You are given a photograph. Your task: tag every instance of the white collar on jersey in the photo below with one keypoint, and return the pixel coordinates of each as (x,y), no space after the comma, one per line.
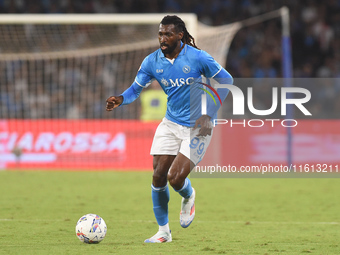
(171,60)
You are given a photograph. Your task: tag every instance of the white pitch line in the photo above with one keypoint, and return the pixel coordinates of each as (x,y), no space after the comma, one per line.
(199,221)
(274,222)
(34,220)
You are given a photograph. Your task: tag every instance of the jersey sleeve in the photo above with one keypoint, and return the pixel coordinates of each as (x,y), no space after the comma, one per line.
(222,77)
(131,94)
(144,76)
(209,66)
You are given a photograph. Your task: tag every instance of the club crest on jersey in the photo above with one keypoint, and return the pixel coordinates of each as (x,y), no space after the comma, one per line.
(165,82)
(159,70)
(186,69)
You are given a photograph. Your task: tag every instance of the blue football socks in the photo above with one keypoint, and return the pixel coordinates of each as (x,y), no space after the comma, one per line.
(160,198)
(186,190)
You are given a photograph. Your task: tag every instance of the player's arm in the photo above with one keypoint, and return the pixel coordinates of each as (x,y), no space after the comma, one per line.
(127,97)
(211,69)
(204,122)
(222,77)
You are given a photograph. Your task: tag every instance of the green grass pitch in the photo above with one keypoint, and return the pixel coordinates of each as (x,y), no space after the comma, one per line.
(39,211)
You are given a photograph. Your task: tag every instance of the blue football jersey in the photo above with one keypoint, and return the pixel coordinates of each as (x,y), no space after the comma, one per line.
(178,78)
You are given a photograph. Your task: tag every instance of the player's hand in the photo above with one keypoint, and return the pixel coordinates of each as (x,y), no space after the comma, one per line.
(113,102)
(205,124)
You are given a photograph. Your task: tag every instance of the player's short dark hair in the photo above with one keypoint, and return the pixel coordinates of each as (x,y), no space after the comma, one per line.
(180,27)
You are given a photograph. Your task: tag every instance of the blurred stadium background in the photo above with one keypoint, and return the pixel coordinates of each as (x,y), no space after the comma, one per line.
(55,79)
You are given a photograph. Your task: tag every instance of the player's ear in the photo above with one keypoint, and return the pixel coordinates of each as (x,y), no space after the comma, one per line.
(180,35)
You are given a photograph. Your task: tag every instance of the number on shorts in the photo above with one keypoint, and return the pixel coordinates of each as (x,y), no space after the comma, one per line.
(195,142)
(200,149)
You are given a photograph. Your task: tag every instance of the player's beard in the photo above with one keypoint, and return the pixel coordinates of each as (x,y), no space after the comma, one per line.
(169,49)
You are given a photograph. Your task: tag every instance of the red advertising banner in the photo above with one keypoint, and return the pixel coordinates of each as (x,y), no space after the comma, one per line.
(125,144)
(107,144)
(313,142)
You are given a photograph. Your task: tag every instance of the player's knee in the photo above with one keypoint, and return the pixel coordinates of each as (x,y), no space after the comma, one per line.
(175,180)
(158,179)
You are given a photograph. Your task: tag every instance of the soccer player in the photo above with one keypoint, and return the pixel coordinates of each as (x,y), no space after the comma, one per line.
(183,136)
